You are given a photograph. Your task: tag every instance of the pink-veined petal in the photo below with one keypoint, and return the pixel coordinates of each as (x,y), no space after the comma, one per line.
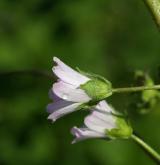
(69,92)
(85,133)
(53,96)
(103,106)
(57,104)
(63,111)
(100,121)
(67,74)
(96,124)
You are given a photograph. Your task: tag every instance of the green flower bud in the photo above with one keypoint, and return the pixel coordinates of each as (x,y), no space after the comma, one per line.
(147,99)
(148,95)
(123,130)
(97,88)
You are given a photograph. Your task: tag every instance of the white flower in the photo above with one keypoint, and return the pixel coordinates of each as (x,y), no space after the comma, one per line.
(96,123)
(101,123)
(66,93)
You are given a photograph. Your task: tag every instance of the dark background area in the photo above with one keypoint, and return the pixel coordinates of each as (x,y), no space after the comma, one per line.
(108,37)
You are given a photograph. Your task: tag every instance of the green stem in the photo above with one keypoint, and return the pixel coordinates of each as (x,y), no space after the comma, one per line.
(135,89)
(154,7)
(149,150)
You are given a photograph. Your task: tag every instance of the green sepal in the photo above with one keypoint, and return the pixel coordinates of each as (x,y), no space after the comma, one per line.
(148,95)
(98,88)
(149,99)
(84,106)
(92,75)
(123,130)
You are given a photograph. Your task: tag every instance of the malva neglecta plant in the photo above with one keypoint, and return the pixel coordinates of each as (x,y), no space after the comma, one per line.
(75,91)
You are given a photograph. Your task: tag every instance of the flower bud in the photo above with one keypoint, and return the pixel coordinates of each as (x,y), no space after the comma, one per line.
(103,122)
(123,129)
(97,88)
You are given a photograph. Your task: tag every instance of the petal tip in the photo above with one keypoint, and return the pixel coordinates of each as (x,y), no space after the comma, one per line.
(73,130)
(73,142)
(51,118)
(56,59)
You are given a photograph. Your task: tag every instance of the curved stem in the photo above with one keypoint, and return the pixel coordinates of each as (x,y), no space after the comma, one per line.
(154,7)
(149,150)
(135,89)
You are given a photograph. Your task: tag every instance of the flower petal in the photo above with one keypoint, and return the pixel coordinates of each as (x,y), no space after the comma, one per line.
(103,106)
(63,111)
(53,96)
(69,92)
(105,118)
(67,74)
(84,133)
(97,124)
(57,104)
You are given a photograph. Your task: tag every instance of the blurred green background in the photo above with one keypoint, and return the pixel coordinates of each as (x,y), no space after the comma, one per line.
(109,37)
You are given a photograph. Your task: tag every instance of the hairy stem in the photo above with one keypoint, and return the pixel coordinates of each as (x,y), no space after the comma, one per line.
(135,89)
(154,7)
(149,150)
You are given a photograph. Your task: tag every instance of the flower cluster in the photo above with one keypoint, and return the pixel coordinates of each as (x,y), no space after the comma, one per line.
(74,91)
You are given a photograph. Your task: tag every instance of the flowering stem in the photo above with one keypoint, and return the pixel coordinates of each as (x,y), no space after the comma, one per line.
(154,7)
(135,89)
(149,150)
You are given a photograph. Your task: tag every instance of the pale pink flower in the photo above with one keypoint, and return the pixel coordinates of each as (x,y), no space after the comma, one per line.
(66,93)
(97,123)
